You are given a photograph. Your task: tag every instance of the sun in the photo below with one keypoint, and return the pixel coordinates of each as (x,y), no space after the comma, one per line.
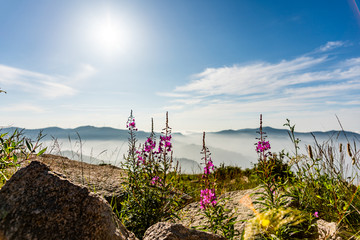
(109,35)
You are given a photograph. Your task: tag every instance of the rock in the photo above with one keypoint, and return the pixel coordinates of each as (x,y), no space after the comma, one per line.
(173,231)
(191,215)
(327,230)
(106,180)
(39,204)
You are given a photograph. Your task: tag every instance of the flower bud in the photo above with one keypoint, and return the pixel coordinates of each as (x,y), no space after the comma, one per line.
(349,150)
(310,152)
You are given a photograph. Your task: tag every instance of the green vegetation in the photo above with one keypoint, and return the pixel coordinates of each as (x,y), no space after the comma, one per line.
(228,178)
(14,149)
(298,189)
(151,190)
(316,185)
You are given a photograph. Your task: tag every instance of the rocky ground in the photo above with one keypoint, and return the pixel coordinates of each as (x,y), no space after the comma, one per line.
(192,216)
(103,179)
(107,181)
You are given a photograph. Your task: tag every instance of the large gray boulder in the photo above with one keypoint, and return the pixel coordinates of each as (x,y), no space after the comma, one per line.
(173,231)
(39,204)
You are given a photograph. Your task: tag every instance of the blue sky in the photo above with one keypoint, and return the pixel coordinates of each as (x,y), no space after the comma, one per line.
(212,64)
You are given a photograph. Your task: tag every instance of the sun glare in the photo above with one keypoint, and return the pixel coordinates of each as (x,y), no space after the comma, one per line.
(109,35)
(355,7)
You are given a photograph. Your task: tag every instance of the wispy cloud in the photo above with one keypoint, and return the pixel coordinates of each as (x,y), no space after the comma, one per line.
(307,83)
(85,71)
(171,94)
(331,45)
(22,107)
(249,79)
(44,85)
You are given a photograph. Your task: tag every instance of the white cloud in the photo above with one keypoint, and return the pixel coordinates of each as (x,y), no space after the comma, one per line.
(42,84)
(331,45)
(188,101)
(85,71)
(171,94)
(173,107)
(249,79)
(307,84)
(279,80)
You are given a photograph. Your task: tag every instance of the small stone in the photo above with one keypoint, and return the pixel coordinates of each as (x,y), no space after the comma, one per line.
(327,230)
(173,231)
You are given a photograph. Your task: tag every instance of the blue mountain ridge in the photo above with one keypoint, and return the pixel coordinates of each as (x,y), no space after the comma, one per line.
(108,133)
(275,132)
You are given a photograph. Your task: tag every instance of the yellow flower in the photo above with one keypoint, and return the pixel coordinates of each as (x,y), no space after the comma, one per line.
(265,223)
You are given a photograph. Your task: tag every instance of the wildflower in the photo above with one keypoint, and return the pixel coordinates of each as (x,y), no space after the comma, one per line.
(316,214)
(130,124)
(140,157)
(209,166)
(149,145)
(165,144)
(265,223)
(156,180)
(262,146)
(207,197)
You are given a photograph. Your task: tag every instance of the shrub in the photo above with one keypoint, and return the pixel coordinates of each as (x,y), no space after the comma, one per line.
(272,173)
(14,149)
(218,217)
(275,220)
(151,189)
(320,183)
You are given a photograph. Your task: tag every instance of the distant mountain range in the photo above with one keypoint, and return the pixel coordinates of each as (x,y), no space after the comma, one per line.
(108,133)
(85,132)
(231,147)
(275,132)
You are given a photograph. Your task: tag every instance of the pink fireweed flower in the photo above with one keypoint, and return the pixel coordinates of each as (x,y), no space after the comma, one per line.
(207,197)
(149,145)
(165,144)
(131,124)
(263,146)
(140,158)
(316,214)
(156,180)
(209,167)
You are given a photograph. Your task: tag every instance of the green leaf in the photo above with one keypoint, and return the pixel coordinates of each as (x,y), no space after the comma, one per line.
(28,145)
(41,152)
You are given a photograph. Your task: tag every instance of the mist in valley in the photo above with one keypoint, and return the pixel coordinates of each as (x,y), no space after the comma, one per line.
(234,148)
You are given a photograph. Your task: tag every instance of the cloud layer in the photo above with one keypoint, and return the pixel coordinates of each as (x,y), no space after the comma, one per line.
(313,82)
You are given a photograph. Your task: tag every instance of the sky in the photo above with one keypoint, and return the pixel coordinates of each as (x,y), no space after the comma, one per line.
(211,64)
